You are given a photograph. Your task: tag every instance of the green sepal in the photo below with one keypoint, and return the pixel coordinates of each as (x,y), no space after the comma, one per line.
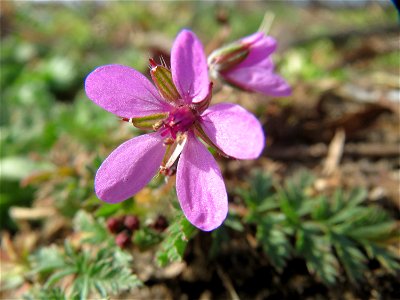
(228,57)
(148,122)
(162,78)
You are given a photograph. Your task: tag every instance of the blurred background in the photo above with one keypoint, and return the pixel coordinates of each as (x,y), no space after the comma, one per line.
(316,217)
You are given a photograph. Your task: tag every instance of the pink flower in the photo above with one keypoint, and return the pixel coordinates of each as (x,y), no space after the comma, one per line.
(180,110)
(247,64)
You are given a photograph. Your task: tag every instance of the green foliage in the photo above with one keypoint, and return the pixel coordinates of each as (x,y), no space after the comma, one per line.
(96,271)
(13,169)
(328,232)
(101,272)
(40,293)
(270,232)
(173,246)
(146,237)
(94,231)
(11,194)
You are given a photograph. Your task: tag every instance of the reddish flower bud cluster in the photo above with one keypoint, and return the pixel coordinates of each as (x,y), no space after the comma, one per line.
(123,227)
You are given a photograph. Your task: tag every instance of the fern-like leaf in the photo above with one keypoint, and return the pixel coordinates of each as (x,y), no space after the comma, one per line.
(274,240)
(174,245)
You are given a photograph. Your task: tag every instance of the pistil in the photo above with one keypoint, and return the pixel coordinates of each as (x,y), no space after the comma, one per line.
(178,121)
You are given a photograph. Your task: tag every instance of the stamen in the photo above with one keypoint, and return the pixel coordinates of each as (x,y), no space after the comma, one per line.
(178,121)
(168,172)
(181,141)
(158,125)
(169,141)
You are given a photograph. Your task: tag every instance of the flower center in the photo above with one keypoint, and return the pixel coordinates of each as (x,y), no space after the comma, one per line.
(179,121)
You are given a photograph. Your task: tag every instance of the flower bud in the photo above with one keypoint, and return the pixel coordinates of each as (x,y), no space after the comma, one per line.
(246,64)
(131,223)
(123,239)
(114,225)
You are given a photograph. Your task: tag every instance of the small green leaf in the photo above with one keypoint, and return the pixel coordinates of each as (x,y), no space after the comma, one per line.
(146,237)
(106,270)
(352,259)
(42,293)
(259,195)
(357,196)
(234,223)
(390,261)
(94,231)
(177,236)
(374,232)
(107,210)
(274,241)
(316,251)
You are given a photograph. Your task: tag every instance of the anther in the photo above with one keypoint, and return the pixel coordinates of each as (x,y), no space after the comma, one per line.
(158,125)
(168,141)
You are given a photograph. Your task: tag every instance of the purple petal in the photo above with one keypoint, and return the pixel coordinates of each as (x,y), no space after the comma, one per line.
(253,38)
(124,92)
(234,130)
(260,49)
(200,187)
(189,67)
(256,72)
(129,168)
(260,80)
